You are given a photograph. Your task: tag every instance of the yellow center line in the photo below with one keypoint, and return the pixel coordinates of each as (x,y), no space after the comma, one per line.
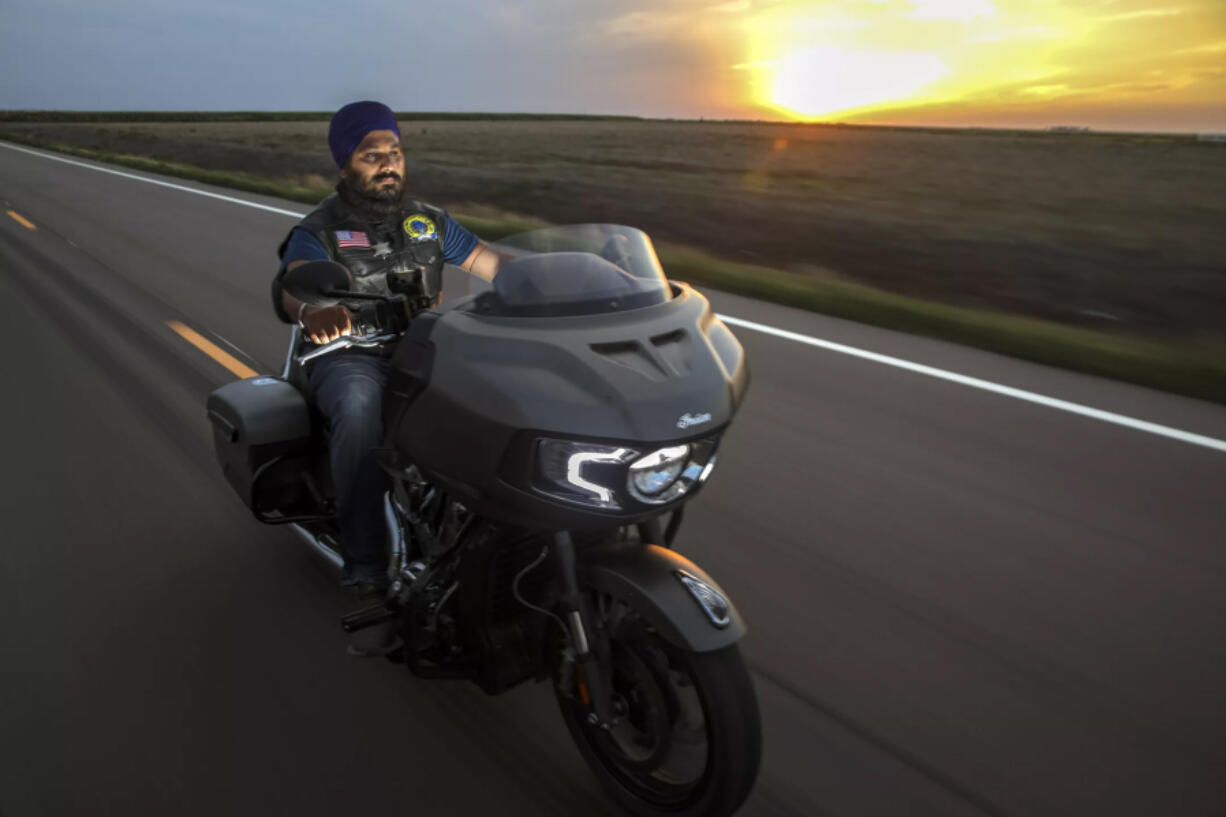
(17,217)
(237,367)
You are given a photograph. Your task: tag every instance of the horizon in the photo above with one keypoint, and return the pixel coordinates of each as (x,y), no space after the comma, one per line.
(1060,128)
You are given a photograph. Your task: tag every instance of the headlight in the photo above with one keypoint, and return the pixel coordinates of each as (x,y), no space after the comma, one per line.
(612,477)
(582,472)
(651,476)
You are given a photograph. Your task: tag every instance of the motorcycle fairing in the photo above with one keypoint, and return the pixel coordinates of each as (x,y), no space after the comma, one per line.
(465,388)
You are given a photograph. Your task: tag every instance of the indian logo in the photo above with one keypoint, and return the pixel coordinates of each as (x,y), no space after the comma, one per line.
(688,420)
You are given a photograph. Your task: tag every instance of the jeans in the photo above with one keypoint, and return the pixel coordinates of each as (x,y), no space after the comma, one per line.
(348,390)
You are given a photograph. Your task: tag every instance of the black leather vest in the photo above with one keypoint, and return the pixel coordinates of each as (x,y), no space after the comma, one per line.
(403,255)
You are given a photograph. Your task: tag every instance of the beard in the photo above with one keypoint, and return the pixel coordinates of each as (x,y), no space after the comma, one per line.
(372,201)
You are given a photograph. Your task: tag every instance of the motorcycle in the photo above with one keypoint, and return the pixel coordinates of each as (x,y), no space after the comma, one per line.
(542,440)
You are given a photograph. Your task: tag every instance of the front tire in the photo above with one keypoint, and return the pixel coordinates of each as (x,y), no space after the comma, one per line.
(688,737)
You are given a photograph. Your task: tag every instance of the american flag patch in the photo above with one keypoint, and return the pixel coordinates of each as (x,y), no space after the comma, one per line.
(352,238)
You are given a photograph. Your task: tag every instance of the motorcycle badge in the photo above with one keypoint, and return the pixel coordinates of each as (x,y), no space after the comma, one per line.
(688,420)
(420,227)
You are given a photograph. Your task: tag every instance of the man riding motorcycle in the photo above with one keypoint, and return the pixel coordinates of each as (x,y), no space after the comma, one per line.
(391,244)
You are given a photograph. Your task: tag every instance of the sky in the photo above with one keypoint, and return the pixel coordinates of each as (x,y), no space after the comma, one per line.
(1107,64)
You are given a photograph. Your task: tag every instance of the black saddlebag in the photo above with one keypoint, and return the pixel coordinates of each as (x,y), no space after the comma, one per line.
(262,437)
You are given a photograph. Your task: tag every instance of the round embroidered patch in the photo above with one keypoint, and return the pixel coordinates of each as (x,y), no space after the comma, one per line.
(420,227)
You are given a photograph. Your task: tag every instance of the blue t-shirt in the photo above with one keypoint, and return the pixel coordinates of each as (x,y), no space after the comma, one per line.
(457,244)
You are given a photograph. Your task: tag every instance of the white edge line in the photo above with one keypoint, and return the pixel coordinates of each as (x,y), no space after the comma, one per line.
(985,385)
(158,182)
(919,368)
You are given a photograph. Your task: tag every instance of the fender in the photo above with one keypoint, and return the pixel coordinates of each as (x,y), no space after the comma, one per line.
(647,578)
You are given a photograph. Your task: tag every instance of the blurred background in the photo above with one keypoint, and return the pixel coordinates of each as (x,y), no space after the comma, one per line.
(1060,160)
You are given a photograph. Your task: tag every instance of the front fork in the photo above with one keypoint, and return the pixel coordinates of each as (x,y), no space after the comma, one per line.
(594,689)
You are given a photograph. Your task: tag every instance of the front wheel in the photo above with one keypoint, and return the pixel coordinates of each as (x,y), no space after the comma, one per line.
(687,738)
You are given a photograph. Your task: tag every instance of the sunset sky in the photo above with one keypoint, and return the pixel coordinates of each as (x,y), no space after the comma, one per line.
(1131,63)
(1109,64)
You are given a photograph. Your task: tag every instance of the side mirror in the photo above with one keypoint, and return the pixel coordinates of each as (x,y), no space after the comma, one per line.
(318,283)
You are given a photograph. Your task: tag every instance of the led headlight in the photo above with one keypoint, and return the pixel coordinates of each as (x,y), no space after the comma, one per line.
(618,477)
(582,472)
(651,476)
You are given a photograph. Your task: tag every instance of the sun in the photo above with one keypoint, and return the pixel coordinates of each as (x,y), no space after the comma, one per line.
(820,82)
(819,60)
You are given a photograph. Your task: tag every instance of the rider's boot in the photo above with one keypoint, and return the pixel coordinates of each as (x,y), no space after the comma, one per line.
(364,599)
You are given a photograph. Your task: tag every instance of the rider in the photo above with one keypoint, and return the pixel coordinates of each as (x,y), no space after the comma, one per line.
(390,243)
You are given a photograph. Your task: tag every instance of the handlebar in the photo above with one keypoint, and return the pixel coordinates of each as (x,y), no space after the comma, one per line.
(347,342)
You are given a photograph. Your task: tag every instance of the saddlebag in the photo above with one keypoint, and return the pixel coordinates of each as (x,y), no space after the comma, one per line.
(262,437)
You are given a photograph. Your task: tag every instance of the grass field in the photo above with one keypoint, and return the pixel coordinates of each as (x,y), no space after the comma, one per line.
(1098,230)
(963,234)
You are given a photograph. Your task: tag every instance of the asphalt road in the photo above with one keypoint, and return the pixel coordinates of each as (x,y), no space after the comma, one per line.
(960,603)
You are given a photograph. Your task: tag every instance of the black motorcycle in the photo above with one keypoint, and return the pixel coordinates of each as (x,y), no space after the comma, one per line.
(542,439)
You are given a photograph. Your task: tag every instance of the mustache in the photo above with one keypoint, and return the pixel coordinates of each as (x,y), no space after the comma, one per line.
(382,176)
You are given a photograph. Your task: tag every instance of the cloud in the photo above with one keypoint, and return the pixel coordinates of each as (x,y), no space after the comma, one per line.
(644,24)
(958,10)
(1054,89)
(1141,14)
(1210,48)
(1069,91)
(731,8)
(1013,35)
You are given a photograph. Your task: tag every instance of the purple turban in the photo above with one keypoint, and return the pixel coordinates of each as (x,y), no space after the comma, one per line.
(351,124)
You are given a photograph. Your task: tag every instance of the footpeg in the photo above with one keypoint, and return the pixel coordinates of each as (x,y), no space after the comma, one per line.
(367,617)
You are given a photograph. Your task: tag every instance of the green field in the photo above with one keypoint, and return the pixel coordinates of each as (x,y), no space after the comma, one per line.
(1094,251)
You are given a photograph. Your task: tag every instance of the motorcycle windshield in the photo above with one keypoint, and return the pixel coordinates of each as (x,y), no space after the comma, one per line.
(576,269)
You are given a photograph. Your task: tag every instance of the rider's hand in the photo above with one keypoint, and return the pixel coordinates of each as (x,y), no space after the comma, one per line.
(324,324)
